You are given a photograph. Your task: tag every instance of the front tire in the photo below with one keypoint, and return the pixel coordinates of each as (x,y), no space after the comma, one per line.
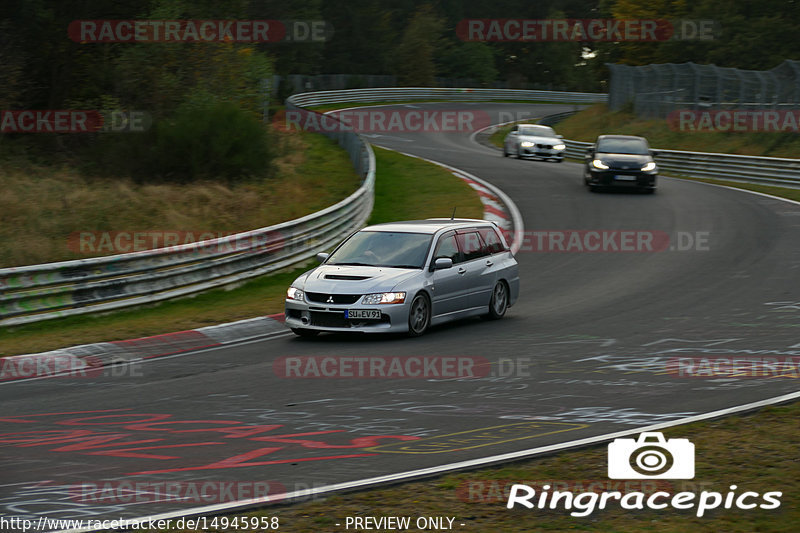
(419,315)
(498,303)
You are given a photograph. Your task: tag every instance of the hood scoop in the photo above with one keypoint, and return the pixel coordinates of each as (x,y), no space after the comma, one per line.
(344,277)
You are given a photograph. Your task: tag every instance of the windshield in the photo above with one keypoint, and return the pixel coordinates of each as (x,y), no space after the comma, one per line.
(539,131)
(383,249)
(623,146)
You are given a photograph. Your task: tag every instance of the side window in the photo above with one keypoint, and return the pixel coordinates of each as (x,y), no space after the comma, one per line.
(471,245)
(493,242)
(447,247)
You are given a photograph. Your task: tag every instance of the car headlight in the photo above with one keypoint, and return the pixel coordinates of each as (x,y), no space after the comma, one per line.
(384,298)
(526,144)
(293,293)
(649,166)
(599,164)
(560,146)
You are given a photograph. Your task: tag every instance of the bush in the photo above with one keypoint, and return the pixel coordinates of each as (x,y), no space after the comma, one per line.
(210,140)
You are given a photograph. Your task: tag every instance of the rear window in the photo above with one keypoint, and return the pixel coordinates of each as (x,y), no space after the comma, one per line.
(493,242)
(471,245)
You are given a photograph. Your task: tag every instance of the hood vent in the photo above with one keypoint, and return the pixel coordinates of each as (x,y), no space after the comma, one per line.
(346,278)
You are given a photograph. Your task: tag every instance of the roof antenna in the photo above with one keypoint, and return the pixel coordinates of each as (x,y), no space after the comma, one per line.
(453,216)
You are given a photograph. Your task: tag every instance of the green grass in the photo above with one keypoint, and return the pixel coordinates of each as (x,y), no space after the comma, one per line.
(406,188)
(409,189)
(597,120)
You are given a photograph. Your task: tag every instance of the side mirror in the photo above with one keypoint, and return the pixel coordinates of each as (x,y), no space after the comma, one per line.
(514,132)
(441,263)
(589,152)
(322,257)
(560,136)
(655,153)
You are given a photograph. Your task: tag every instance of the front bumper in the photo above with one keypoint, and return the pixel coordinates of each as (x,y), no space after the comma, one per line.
(622,178)
(540,151)
(330,317)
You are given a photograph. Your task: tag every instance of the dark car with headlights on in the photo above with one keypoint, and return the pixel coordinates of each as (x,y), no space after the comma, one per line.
(405,277)
(620,161)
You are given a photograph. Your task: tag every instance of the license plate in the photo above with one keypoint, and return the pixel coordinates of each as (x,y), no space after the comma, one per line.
(625,178)
(369,314)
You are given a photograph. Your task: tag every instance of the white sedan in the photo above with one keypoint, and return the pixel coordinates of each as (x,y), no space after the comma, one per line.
(534,140)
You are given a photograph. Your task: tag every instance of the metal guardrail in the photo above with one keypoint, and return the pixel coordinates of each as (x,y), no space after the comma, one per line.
(394,94)
(40,292)
(741,168)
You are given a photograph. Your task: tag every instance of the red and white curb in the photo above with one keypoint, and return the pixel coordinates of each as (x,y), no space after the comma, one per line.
(86,359)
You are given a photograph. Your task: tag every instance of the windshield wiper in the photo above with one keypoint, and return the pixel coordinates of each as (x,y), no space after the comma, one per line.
(353,264)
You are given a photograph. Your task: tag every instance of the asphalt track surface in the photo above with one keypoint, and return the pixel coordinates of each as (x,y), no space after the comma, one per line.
(586,351)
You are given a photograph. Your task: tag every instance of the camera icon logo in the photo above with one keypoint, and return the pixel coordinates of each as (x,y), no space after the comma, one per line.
(651,457)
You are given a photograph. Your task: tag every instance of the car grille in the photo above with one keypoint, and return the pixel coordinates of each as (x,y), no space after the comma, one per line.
(544,146)
(325,298)
(329,320)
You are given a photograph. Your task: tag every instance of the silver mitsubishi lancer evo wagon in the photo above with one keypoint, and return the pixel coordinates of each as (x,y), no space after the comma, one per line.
(405,277)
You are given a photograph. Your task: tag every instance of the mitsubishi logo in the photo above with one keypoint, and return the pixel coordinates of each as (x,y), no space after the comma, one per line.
(330,299)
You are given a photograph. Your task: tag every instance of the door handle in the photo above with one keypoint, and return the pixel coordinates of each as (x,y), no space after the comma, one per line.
(462,270)
(489,262)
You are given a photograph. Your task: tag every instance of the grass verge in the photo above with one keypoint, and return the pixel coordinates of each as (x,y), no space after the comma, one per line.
(45,209)
(406,188)
(597,120)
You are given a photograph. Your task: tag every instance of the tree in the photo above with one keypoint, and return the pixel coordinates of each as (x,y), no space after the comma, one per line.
(414,63)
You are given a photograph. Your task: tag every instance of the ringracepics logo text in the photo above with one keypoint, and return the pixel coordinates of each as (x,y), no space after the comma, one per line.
(650,456)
